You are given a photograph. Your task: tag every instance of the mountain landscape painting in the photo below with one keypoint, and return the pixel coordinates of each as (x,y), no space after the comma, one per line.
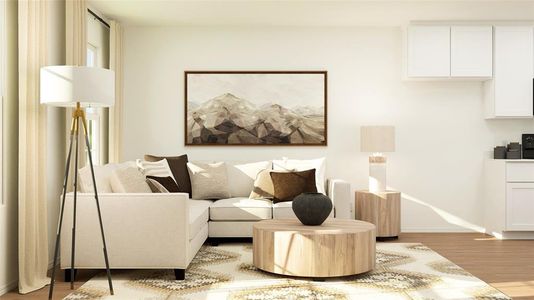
(255,108)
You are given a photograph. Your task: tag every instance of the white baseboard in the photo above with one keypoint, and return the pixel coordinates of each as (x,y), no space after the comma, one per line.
(435,229)
(8,287)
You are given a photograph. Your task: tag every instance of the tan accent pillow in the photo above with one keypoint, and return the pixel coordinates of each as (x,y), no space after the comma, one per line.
(291,184)
(208,180)
(263,186)
(155,186)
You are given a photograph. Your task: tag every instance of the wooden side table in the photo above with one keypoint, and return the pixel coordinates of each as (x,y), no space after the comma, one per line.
(381,209)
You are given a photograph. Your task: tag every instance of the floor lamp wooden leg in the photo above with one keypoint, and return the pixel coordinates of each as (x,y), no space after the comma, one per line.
(62,209)
(88,145)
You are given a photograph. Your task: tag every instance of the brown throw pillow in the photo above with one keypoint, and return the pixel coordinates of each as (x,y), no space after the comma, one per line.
(167,182)
(178,165)
(291,184)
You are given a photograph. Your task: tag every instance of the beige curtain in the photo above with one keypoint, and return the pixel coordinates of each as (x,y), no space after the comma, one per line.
(115,112)
(33,237)
(76,55)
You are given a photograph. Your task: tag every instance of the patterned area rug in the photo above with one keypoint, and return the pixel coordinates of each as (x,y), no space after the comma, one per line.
(404,271)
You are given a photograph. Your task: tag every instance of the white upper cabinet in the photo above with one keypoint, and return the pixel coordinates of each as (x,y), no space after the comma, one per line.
(429,51)
(510,93)
(471,51)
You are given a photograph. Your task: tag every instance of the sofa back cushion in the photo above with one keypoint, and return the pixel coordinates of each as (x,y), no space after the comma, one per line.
(241,176)
(102,177)
(318,164)
(208,180)
(128,180)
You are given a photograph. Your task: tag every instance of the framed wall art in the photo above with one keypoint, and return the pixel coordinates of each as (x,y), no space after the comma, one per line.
(283,108)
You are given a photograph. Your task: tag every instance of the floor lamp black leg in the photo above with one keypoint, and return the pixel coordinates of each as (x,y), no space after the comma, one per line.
(62,209)
(88,145)
(73,240)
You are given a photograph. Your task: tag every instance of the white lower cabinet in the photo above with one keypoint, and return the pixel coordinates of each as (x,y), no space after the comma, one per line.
(508,199)
(520,206)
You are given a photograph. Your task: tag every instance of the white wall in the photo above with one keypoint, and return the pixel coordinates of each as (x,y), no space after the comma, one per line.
(441,131)
(9,210)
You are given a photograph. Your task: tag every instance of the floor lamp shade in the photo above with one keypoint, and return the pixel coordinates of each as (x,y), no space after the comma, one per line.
(64,86)
(377,139)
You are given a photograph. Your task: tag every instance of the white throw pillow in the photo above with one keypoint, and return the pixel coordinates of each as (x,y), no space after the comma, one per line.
(318,164)
(128,180)
(155,168)
(241,176)
(208,180)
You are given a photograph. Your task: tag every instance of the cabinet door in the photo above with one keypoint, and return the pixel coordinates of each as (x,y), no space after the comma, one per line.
(471,51)
(514,67)
(520,206)
(429,51)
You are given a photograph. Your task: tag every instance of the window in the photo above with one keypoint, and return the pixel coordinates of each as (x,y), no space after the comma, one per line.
(92,114)
(97,118)
(91,55)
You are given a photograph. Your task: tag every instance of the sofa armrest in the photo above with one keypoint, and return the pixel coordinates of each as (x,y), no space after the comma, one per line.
(340,193)
(143,230)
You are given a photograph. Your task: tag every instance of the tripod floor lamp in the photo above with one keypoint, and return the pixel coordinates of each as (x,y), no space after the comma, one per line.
(78,87)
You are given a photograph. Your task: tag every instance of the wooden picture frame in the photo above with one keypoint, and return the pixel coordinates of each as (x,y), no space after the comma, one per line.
(255,108)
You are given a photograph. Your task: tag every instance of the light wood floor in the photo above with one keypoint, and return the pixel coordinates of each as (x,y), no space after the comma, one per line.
(506,265)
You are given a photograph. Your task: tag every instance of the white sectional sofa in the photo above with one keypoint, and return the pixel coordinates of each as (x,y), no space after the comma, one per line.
(166,230)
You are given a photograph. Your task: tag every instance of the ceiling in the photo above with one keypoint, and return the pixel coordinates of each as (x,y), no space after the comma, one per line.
(308,13)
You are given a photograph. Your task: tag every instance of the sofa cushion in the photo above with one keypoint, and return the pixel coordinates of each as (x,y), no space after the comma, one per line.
(208,180)
(198,216)
(241,209)
(102,176)
(283,210)
(318,164)
(242,175)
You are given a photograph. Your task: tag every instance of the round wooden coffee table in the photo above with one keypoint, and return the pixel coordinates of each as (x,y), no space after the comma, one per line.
(338,247)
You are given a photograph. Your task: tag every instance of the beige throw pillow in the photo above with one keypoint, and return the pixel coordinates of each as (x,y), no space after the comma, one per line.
(128,180)
(263,186)
(155,186)
(208,180)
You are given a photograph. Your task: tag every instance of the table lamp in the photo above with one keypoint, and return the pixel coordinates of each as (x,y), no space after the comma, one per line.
(74,86)
(377,140)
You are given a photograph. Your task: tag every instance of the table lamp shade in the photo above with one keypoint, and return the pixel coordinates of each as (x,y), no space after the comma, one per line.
(65,85)
(377,139)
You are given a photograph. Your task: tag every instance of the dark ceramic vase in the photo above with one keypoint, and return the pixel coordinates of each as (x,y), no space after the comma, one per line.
(312,208)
